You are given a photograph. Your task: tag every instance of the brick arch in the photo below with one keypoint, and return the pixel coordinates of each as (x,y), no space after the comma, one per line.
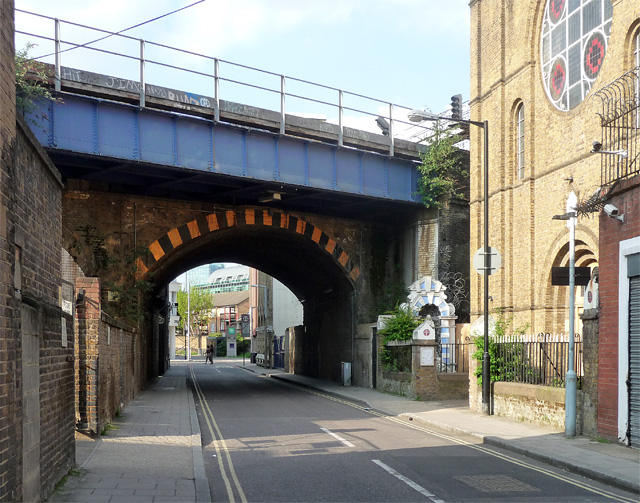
(557,255)
(219,220)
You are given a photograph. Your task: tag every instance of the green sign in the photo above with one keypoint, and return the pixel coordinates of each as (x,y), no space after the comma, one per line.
(231,331)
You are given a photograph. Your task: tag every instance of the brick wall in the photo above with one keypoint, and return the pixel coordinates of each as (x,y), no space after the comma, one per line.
(9,349)
(505,71)
(34,229)
(590,361)
(612,231)
(110,366)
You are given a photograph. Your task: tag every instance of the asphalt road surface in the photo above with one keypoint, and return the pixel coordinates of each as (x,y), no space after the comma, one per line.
(269,441)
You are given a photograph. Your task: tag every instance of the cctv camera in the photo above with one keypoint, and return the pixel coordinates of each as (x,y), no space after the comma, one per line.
(611,210)
(597,146)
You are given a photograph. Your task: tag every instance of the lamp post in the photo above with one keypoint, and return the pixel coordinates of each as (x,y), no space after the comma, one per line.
(571,379)
(420,116)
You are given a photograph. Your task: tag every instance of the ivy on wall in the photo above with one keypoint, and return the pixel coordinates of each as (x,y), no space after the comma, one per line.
(442,172)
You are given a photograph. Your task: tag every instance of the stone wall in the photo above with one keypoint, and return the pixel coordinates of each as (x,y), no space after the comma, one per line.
(422,382)
(541,405)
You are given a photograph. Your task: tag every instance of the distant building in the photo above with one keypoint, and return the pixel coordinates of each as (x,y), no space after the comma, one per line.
(227,308)
(200,275)
(227,279)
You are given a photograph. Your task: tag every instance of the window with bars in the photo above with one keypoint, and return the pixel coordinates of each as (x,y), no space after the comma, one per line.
(520,141)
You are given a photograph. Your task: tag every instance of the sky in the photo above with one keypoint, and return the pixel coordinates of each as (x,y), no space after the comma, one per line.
(413,53)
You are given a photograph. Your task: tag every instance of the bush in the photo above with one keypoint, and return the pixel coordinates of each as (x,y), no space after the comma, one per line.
(399,327)
(508,359)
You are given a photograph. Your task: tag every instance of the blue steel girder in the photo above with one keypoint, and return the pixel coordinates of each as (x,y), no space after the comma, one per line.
(97,127)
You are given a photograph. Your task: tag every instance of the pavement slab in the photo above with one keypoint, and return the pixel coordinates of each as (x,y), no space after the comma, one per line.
(153,452)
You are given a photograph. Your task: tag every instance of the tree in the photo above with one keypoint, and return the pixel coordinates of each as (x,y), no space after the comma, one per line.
(442,171)
(201,304)
(31,79)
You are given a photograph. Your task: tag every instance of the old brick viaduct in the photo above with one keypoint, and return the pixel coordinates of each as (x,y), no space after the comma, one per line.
(186,191)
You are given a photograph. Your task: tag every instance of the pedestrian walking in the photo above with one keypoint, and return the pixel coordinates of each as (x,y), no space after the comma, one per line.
(209,354)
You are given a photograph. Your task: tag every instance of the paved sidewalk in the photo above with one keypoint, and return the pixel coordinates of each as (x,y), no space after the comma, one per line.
(612,464)
(153,454)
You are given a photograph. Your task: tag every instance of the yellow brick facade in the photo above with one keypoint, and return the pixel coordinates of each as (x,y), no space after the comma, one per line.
(506,72)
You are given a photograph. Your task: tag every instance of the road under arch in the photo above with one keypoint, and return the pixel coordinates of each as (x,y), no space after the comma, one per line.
(300,255)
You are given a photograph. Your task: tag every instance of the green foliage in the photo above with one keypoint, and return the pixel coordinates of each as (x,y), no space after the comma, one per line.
(442,172)
(125,298)
(508,359)
(201,304)
(31,77)
(399,327)
(221,347)
(243,345)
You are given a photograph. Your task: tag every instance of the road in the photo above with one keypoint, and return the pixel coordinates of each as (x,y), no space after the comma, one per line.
(269,441)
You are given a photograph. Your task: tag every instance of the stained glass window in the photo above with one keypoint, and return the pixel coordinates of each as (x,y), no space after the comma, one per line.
(574,42)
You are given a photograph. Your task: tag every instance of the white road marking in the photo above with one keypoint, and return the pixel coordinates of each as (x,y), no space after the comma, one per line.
(407,481)
(338,437)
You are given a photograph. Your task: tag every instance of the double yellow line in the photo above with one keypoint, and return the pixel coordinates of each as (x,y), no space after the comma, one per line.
(222,452)
(481,448)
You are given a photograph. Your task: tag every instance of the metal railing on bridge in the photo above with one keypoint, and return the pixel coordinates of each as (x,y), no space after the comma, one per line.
(209,75)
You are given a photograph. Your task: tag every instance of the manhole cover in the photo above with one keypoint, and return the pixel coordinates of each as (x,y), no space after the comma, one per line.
(495,483)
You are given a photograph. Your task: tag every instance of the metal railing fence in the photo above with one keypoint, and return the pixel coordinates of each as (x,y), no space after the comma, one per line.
(543,361)
(216,76)
(453,357)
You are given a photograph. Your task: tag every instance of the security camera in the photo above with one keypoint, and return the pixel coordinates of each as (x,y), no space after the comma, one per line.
(597,146)
(613,212)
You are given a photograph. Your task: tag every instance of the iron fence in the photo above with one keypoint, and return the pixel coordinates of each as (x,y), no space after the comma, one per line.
(543,361)
(453,357)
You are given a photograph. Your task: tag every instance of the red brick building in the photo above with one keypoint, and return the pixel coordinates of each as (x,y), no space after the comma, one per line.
(619,338)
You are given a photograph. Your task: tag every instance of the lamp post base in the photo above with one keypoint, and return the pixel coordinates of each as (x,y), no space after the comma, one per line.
(570,399)
(486,384)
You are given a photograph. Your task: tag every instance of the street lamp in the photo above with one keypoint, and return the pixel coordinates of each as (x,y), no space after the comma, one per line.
(571,379)
(419,116)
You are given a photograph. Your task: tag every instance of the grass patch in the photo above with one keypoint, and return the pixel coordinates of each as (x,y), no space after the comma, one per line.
(107,428)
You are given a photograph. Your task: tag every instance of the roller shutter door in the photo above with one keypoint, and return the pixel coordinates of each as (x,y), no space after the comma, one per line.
(634,361)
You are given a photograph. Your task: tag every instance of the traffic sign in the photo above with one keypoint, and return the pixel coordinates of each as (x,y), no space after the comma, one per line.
(245,325)
(495,261)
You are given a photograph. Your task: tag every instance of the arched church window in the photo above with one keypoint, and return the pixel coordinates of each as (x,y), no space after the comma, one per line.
(520,140)
(574,39)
